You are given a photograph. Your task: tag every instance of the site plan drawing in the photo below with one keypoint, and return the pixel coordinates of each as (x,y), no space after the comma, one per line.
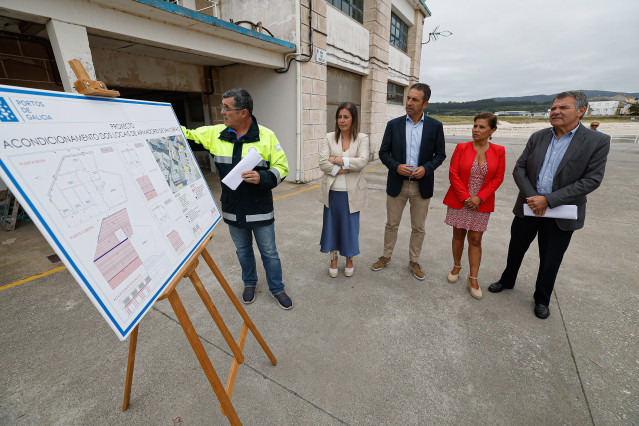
(80,191)
(114,188)
(175,160)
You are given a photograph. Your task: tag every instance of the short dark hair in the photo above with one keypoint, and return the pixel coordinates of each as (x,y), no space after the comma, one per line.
(350,107)
(489,117)
(581,100)
(241,99)
(424,88)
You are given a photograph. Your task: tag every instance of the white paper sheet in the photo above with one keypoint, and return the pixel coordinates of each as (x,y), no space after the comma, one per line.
(234,178)
(567,211)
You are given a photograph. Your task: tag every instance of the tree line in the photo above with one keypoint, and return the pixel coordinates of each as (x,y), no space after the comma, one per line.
(475,107)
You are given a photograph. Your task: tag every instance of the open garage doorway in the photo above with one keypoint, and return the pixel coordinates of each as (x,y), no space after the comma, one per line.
(342,86)
(189,108)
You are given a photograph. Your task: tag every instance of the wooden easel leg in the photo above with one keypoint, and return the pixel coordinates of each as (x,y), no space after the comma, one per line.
(235,365)
(206,299)
(203,357)
(133,341)
(229,292)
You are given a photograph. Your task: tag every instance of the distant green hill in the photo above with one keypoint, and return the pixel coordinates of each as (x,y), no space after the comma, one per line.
(474,107)
(549,98)
(534,103)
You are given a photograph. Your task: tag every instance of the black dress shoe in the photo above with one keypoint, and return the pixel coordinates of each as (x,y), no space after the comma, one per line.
(541,311)
(496,287)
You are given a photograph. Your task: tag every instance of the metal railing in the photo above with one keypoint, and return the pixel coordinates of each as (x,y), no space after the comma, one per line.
(624,137)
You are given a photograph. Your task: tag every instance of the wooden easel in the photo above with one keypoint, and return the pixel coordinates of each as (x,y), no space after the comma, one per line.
(188,271)
(84,85)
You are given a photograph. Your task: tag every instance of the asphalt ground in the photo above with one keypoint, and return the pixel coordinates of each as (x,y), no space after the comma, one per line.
(376,348)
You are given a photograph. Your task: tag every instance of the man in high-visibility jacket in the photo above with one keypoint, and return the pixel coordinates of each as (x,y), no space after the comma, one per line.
(248,210)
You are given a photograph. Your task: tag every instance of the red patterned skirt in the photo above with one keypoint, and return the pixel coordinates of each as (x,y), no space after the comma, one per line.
(467,219)
(470,219)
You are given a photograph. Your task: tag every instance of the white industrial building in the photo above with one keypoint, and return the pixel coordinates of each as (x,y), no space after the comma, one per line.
(603,107)
(298,58)
(514,113)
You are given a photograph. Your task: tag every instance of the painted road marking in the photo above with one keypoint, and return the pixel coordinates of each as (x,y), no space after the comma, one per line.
(60,268)
(26,280)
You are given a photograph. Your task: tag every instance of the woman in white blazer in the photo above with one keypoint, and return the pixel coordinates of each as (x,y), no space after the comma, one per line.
(343,156)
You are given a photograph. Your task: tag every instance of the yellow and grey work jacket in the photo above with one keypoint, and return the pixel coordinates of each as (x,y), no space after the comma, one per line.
(250,205)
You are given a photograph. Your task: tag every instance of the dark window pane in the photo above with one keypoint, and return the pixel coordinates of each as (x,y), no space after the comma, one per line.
(398,33)
(395,93)
(353,8)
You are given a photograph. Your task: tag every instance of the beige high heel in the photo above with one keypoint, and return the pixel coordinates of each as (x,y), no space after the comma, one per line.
(475,293)
(333,272)
(349,271)
(453,278)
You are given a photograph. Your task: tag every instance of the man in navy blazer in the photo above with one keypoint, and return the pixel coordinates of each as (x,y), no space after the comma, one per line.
(412,148)
(559,166)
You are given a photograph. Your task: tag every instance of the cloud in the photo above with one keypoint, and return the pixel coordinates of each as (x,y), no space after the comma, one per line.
(514,48)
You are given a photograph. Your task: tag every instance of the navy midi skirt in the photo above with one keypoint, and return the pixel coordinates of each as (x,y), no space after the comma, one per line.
(340,230)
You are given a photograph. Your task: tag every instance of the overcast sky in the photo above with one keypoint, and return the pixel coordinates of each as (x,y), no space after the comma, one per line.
(517,48)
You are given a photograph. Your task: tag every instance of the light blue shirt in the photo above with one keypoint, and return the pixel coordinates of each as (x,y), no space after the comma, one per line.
(413,140)
(554,155)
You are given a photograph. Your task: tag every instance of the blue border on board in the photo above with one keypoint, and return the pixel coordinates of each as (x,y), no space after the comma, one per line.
(208,19)
(123,332)
(10,89)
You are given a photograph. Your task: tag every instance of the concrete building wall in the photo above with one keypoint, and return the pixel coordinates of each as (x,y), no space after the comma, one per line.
(347,42)
(362,49)
(313,89)
(414,51)
(161,46)
(135,70)
(404,10)
(377,15)
(274,103)
(278,16)
(158,27)
(399,66)
(394,111)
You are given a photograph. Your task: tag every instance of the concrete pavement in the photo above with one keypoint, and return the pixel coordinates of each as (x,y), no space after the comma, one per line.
(377,348)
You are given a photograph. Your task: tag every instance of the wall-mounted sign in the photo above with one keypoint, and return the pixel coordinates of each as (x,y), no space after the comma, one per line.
(320,55)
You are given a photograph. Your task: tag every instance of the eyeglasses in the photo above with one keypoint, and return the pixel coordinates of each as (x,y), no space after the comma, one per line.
(594,125)
(227,109)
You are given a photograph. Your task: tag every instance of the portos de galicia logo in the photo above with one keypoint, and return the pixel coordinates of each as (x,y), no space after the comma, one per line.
(6,114)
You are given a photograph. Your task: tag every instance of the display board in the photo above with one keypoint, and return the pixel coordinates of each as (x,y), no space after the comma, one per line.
(113,186)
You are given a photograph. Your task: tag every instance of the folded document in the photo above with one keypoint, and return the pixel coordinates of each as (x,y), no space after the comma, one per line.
(234,178)
(567,211)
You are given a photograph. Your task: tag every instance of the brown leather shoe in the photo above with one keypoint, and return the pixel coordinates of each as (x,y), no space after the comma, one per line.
(381,263)
(416,270)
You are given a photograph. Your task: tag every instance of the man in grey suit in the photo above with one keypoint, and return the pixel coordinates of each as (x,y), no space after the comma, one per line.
(558,166)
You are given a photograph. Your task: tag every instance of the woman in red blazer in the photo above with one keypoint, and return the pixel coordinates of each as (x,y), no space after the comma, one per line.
(476,171)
